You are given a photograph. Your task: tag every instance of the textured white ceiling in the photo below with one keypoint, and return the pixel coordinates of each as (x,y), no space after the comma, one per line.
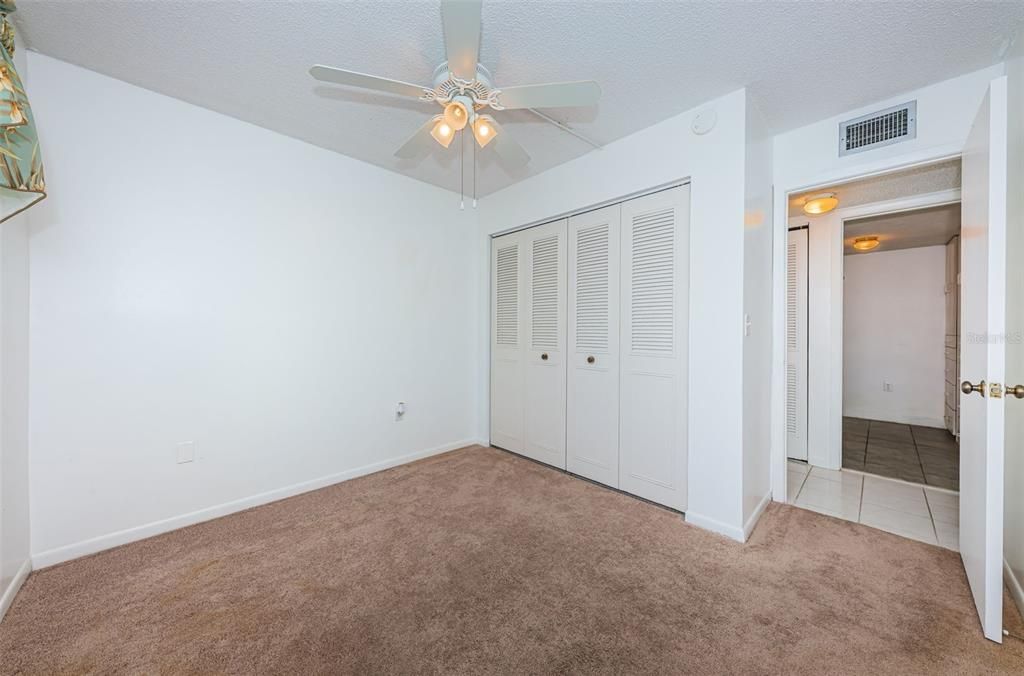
(905,230)
(801,61)
(916,181)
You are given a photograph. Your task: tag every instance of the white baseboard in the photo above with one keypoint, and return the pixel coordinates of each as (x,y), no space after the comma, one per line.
(12,589)
(920,421)
(1016,586)
(707,523)
(97,544)
(748,527)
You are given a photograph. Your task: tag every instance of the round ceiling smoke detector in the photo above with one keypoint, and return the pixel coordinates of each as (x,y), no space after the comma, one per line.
(704,122)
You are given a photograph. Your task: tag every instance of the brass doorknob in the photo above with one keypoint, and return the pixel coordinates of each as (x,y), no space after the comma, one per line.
(966,387)
(590,359)
(1015,390)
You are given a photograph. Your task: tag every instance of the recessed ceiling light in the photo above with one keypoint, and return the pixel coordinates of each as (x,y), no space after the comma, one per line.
(820,204)
(865,243)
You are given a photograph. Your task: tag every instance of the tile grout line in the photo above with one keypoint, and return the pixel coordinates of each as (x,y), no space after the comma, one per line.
(931,516)
(917,452)
(860,506)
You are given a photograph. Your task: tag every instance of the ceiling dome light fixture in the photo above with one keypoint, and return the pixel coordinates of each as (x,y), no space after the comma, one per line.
(820,204)
(865,243)
(484,129)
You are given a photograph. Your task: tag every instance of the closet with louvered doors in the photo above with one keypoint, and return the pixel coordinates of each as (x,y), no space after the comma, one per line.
(528,331)
(599,364)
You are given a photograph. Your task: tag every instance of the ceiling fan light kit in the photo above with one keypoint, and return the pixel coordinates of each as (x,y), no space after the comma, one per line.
(464,88)
(442,132)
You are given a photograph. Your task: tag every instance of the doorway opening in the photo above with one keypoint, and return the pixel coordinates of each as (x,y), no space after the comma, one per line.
(873,351)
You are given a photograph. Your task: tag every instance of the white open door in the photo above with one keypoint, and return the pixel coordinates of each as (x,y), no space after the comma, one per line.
(796,345)
(983,354)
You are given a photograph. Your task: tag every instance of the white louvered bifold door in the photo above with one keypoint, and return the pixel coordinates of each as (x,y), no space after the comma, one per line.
(508,347)
(796,345)
(544,332)
(653,346)
(592,432)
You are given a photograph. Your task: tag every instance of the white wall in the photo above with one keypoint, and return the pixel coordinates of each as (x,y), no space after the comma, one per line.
(14,360)
(714,163)
(196,278)
(808,157)
(757,303)
(894,331)
(1013,519)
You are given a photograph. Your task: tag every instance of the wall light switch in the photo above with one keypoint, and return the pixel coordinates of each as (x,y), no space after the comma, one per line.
(887,386)
(746,324)
(186,452)
(400,410)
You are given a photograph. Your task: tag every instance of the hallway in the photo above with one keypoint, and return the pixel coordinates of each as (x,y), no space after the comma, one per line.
(924,455)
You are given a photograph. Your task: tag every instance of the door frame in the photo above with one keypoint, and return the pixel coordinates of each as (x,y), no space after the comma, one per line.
(812,180)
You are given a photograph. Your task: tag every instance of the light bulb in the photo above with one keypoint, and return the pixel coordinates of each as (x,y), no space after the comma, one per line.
(442,133)
(456,115)
(484,130)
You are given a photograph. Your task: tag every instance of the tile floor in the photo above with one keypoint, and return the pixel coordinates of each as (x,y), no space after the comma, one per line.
(924,455)
(922,513)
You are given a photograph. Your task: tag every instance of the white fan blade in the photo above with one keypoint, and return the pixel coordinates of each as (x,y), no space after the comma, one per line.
(461,19)
(354,79)
(551,95)
(507,148)
(419,143)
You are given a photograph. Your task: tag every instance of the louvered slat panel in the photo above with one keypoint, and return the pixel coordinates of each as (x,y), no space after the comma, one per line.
(507,311)
(653,282)
(545,293)
(592,288)
(791,402)
(791,296)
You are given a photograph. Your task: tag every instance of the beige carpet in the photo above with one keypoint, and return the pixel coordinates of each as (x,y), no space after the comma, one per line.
(477,562)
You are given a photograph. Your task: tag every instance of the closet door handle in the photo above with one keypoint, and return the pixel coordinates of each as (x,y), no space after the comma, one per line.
(590,359)
(1015,391)
(544,356)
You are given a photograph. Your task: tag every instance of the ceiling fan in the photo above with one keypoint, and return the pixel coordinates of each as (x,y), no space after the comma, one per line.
(465,90)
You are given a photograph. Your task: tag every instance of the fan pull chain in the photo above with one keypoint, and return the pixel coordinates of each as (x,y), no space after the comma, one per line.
(474,176)
(462,171)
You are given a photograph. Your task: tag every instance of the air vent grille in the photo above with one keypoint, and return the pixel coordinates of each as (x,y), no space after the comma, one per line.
(878,129)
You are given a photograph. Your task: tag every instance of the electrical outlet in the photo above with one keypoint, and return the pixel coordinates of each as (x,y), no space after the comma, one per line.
(186,452)
(400,411)
(887,386)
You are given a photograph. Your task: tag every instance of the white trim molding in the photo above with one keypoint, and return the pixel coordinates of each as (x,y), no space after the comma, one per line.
(748,527)
(729,531)
(1015,585)
(97,544)
(14,587)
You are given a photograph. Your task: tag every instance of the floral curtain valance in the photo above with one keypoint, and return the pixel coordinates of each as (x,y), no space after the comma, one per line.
(21,165)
